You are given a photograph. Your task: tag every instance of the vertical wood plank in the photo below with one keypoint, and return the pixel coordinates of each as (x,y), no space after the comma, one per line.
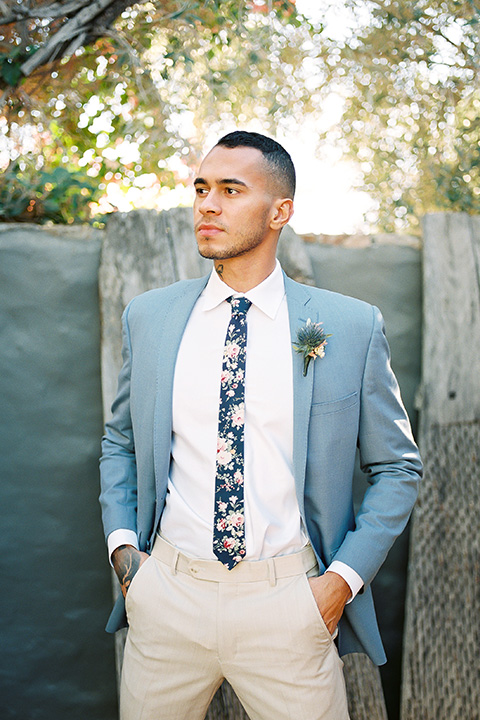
(441,678)
(451,358)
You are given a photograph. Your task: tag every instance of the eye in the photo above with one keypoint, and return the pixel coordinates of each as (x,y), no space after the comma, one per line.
(231,191)
(201,191)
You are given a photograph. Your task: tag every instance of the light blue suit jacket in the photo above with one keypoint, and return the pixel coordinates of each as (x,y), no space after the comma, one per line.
(349,398)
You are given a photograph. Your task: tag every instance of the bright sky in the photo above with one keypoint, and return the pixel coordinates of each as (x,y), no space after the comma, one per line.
(325,201)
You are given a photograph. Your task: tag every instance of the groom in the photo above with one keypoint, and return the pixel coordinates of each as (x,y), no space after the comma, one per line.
(227,467)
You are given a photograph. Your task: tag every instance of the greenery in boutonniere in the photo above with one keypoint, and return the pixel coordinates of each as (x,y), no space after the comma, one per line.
(311,341)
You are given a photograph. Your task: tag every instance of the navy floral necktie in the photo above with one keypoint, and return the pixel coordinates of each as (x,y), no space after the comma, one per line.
(229,515)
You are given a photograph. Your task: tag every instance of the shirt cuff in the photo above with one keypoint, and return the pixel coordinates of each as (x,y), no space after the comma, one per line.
(352,578)
(120,537)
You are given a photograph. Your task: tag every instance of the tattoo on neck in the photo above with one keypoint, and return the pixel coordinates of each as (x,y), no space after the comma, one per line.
(219,269)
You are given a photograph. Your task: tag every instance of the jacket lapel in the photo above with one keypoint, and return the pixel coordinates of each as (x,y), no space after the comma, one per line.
(298,299)
(176,317)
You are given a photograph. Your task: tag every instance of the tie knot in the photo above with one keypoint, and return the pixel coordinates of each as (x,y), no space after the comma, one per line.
(239,305)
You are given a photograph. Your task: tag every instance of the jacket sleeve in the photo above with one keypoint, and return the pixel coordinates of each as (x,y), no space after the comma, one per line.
(118,470)
(388,456)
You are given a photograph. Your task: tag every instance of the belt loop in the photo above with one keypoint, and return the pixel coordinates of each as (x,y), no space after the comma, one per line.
(173,564)
(271,572)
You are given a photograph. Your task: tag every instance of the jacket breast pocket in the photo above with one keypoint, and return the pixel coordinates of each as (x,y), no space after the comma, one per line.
(335,406)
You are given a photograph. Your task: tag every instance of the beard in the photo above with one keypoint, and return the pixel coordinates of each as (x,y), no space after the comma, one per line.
(236,246)
(233,251)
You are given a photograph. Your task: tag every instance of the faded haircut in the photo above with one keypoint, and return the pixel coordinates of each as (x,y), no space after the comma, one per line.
(278,160)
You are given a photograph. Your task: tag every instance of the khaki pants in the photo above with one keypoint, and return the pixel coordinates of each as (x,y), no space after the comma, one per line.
(194,623)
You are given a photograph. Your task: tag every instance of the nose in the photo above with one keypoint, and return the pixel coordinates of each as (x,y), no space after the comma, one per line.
(209,205)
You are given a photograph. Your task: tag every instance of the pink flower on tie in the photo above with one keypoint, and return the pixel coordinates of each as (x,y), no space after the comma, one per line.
(224,451)
(232,350)
(228,543)
(225,376)
(238,415)
(237,519)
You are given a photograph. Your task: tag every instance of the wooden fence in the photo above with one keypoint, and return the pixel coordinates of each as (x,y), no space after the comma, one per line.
(441,674)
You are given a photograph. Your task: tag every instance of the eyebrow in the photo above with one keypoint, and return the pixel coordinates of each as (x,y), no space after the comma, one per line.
(223,181)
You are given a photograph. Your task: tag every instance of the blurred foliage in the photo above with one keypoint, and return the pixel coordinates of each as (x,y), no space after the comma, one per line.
(409,74)
(154,84)
(59,196)
(162,76)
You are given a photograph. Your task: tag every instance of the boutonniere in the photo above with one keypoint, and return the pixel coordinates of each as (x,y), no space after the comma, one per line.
(311,341)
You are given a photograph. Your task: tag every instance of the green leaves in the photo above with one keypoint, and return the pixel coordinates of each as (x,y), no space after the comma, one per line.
(29,195)
(410,76)
(143,99)
(10,65)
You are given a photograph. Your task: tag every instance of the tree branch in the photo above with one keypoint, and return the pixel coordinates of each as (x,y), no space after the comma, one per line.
(75,31)
(40,12)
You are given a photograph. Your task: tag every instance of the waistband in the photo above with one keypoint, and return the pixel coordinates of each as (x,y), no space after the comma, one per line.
(246,571)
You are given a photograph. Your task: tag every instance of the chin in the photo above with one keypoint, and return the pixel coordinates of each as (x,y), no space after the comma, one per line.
(210,253)
(207,252)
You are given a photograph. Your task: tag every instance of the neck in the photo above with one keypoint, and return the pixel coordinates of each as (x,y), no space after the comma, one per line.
(242,276)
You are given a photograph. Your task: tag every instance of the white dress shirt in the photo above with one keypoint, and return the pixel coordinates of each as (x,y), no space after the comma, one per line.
(273,524)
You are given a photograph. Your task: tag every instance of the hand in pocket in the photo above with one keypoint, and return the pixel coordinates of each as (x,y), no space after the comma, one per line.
(127,561)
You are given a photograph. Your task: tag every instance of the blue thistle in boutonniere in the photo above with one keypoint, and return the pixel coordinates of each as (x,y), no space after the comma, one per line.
(311,341)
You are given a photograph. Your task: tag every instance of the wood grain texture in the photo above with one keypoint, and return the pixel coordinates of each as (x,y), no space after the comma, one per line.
(441,670)
(451,318)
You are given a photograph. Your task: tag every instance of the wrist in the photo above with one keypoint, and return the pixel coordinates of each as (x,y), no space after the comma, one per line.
(351,577)
(341,586)
(119,537)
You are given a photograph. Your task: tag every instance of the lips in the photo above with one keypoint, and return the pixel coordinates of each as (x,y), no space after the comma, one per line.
(208,230)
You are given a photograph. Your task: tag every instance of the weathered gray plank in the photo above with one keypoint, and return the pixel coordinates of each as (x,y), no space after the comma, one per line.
(451,357)
(441,678)
(142,250)
(364,688)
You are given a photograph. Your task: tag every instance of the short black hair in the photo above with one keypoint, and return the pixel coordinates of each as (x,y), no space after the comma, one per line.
(279,161)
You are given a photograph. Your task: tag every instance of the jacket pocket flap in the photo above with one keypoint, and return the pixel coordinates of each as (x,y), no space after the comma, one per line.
(333,406)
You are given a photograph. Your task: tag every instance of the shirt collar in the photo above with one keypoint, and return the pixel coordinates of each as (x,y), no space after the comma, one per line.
(267,296)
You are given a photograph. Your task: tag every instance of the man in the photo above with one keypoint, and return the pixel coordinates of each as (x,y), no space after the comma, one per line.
(227,467)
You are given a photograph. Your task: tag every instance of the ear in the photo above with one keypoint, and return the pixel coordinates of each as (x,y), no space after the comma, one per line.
(282,211)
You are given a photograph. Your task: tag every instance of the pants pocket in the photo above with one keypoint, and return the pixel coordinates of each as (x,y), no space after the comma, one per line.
(317,616)
(136,581)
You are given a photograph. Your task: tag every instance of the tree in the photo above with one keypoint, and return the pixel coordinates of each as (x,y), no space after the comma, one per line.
(409,77)
(118,107)
(128,88)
